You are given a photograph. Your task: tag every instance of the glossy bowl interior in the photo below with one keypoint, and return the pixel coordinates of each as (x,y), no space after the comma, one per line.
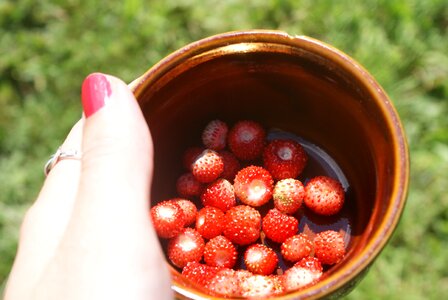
(301,86)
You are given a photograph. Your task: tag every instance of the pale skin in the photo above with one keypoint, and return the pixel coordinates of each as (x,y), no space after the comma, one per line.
(88,234)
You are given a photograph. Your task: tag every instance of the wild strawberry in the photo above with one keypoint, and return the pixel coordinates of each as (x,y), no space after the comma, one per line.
(324,195)
(220,194)
(199,273)
(190,156)
(279,226)
(187,186)
(215,134)
(210,222)
(246,140)
(168,219)
(288,195)
(284,159)
(189,209)
(207,166)
(220,252)
(302,274)
(261,286)
(242,225)
(225,284)
(253,185)
(231,165)
(260,259)
(186,247)
(329,247)
(296,247)
(310,263)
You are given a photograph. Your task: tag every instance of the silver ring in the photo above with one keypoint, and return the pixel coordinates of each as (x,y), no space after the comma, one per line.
(61,155)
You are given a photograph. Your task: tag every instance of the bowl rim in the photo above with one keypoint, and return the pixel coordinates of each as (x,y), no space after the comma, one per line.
(375,245)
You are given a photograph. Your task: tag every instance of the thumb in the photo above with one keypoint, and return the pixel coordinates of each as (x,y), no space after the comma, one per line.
(110,248)
(117,146)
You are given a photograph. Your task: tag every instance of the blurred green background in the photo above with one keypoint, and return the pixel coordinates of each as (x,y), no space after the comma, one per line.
(47,47)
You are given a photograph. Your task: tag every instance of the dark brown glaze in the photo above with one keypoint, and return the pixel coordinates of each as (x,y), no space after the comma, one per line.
(302,87)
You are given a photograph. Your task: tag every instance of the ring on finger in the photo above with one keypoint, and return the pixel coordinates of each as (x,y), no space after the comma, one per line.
(61,155)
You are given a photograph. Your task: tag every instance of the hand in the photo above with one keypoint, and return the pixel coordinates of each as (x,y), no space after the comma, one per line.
(88,235)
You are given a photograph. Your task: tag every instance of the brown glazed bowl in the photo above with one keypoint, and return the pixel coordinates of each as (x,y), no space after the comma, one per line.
(308,89)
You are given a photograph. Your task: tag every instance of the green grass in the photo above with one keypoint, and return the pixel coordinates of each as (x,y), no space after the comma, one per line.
(47,47)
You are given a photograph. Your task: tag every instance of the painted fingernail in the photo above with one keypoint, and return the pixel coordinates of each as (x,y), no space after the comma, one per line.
(95,90)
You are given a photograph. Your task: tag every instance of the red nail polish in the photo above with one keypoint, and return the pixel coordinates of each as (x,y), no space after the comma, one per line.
(95,89)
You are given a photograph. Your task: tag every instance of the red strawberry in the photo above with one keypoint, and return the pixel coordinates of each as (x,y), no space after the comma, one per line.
(225,284)
(207,166)
(215,134)
(189,209)
(242,225)
(220,252)
(279,226)
(260,259)
(288,195)
(296,247)
(253,186)
(310,263)
(199,273)
(324,195)
(284,159)
(261,286)
(186,247)
(187,186)
(231,165)
(302,274)
(329,247)
(210,222)
(168,219)
(246,140)
(190,156)
(219,194)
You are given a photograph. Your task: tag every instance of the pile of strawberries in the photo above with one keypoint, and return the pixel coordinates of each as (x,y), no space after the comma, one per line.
(250,194)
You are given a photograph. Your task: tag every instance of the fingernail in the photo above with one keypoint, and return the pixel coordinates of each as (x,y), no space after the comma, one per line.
(95,90)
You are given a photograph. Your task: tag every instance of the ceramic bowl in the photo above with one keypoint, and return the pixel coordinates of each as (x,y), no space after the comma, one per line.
(301,87)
